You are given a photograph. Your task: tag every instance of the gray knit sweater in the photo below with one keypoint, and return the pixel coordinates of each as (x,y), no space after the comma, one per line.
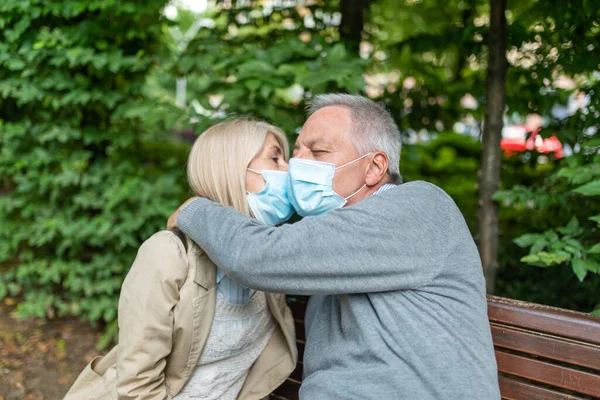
(398,307)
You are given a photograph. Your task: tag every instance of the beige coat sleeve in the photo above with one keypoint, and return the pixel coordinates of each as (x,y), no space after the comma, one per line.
(149,295)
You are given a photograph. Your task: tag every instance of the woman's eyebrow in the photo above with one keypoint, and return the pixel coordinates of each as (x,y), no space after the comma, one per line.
(277,149)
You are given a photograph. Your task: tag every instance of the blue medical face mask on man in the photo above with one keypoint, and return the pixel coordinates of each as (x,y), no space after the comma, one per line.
(311,191)
(272,206)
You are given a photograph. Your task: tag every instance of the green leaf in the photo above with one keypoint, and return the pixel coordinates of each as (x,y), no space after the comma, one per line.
(337,54)
(579,268)
(589,189)
(253,84)
(502,195)
(539,245)
(531,259)
(593,266)
(545,259)
(595,218)
(527,239)
(592,143)
(15,64)
(563,255)
(573,225)
(595,249)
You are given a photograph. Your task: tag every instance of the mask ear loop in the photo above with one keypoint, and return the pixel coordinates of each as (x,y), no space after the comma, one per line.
(256,172)
(352,162)
(355,193)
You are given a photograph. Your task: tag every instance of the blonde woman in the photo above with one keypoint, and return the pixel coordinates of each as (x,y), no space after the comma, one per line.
(185,329)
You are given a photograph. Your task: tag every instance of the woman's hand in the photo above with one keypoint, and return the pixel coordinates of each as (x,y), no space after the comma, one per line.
(172,222)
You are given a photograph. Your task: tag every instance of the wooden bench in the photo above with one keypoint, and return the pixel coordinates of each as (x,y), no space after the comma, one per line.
(543,353)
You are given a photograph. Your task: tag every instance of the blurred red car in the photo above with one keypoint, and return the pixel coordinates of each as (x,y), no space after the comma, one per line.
(515,140)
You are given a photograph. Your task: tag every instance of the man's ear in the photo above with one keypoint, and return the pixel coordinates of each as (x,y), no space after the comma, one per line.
(378,169)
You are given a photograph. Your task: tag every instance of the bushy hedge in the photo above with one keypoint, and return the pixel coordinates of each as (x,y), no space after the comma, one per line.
(87,167)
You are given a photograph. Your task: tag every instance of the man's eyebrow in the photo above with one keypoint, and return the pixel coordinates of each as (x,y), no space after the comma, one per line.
(314,143)
(318,143)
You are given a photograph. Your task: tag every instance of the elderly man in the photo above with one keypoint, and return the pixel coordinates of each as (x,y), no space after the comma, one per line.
(398,307)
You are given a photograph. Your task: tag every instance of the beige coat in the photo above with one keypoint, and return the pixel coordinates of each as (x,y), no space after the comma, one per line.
(166,310)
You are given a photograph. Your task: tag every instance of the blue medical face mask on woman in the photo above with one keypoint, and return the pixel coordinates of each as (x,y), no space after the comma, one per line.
(311,191)
(272,206)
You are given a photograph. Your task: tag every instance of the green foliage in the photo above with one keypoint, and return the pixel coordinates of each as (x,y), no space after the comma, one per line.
(266,63)
(438,49)
(554,55)
(550,40)
(87,168)
(568,198)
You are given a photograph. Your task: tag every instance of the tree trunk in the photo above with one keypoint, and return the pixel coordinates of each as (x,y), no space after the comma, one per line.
(491,161)
(353,19)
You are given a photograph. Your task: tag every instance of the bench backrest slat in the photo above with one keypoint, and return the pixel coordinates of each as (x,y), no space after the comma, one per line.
(547,346)
(549,374)
(565,323)
(513,389)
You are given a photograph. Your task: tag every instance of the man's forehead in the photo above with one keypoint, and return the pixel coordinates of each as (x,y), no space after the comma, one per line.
(330,116)
(326,126)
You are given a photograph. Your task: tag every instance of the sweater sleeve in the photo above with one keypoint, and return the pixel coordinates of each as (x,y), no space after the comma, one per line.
(149,295)
(391,241)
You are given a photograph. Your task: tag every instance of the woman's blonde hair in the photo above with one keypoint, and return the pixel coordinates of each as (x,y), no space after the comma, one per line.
(216,167)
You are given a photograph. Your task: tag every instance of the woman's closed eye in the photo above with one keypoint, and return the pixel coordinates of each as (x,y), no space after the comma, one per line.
(275,155)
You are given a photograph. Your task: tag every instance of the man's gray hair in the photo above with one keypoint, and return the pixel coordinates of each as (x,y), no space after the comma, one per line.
(374,128)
